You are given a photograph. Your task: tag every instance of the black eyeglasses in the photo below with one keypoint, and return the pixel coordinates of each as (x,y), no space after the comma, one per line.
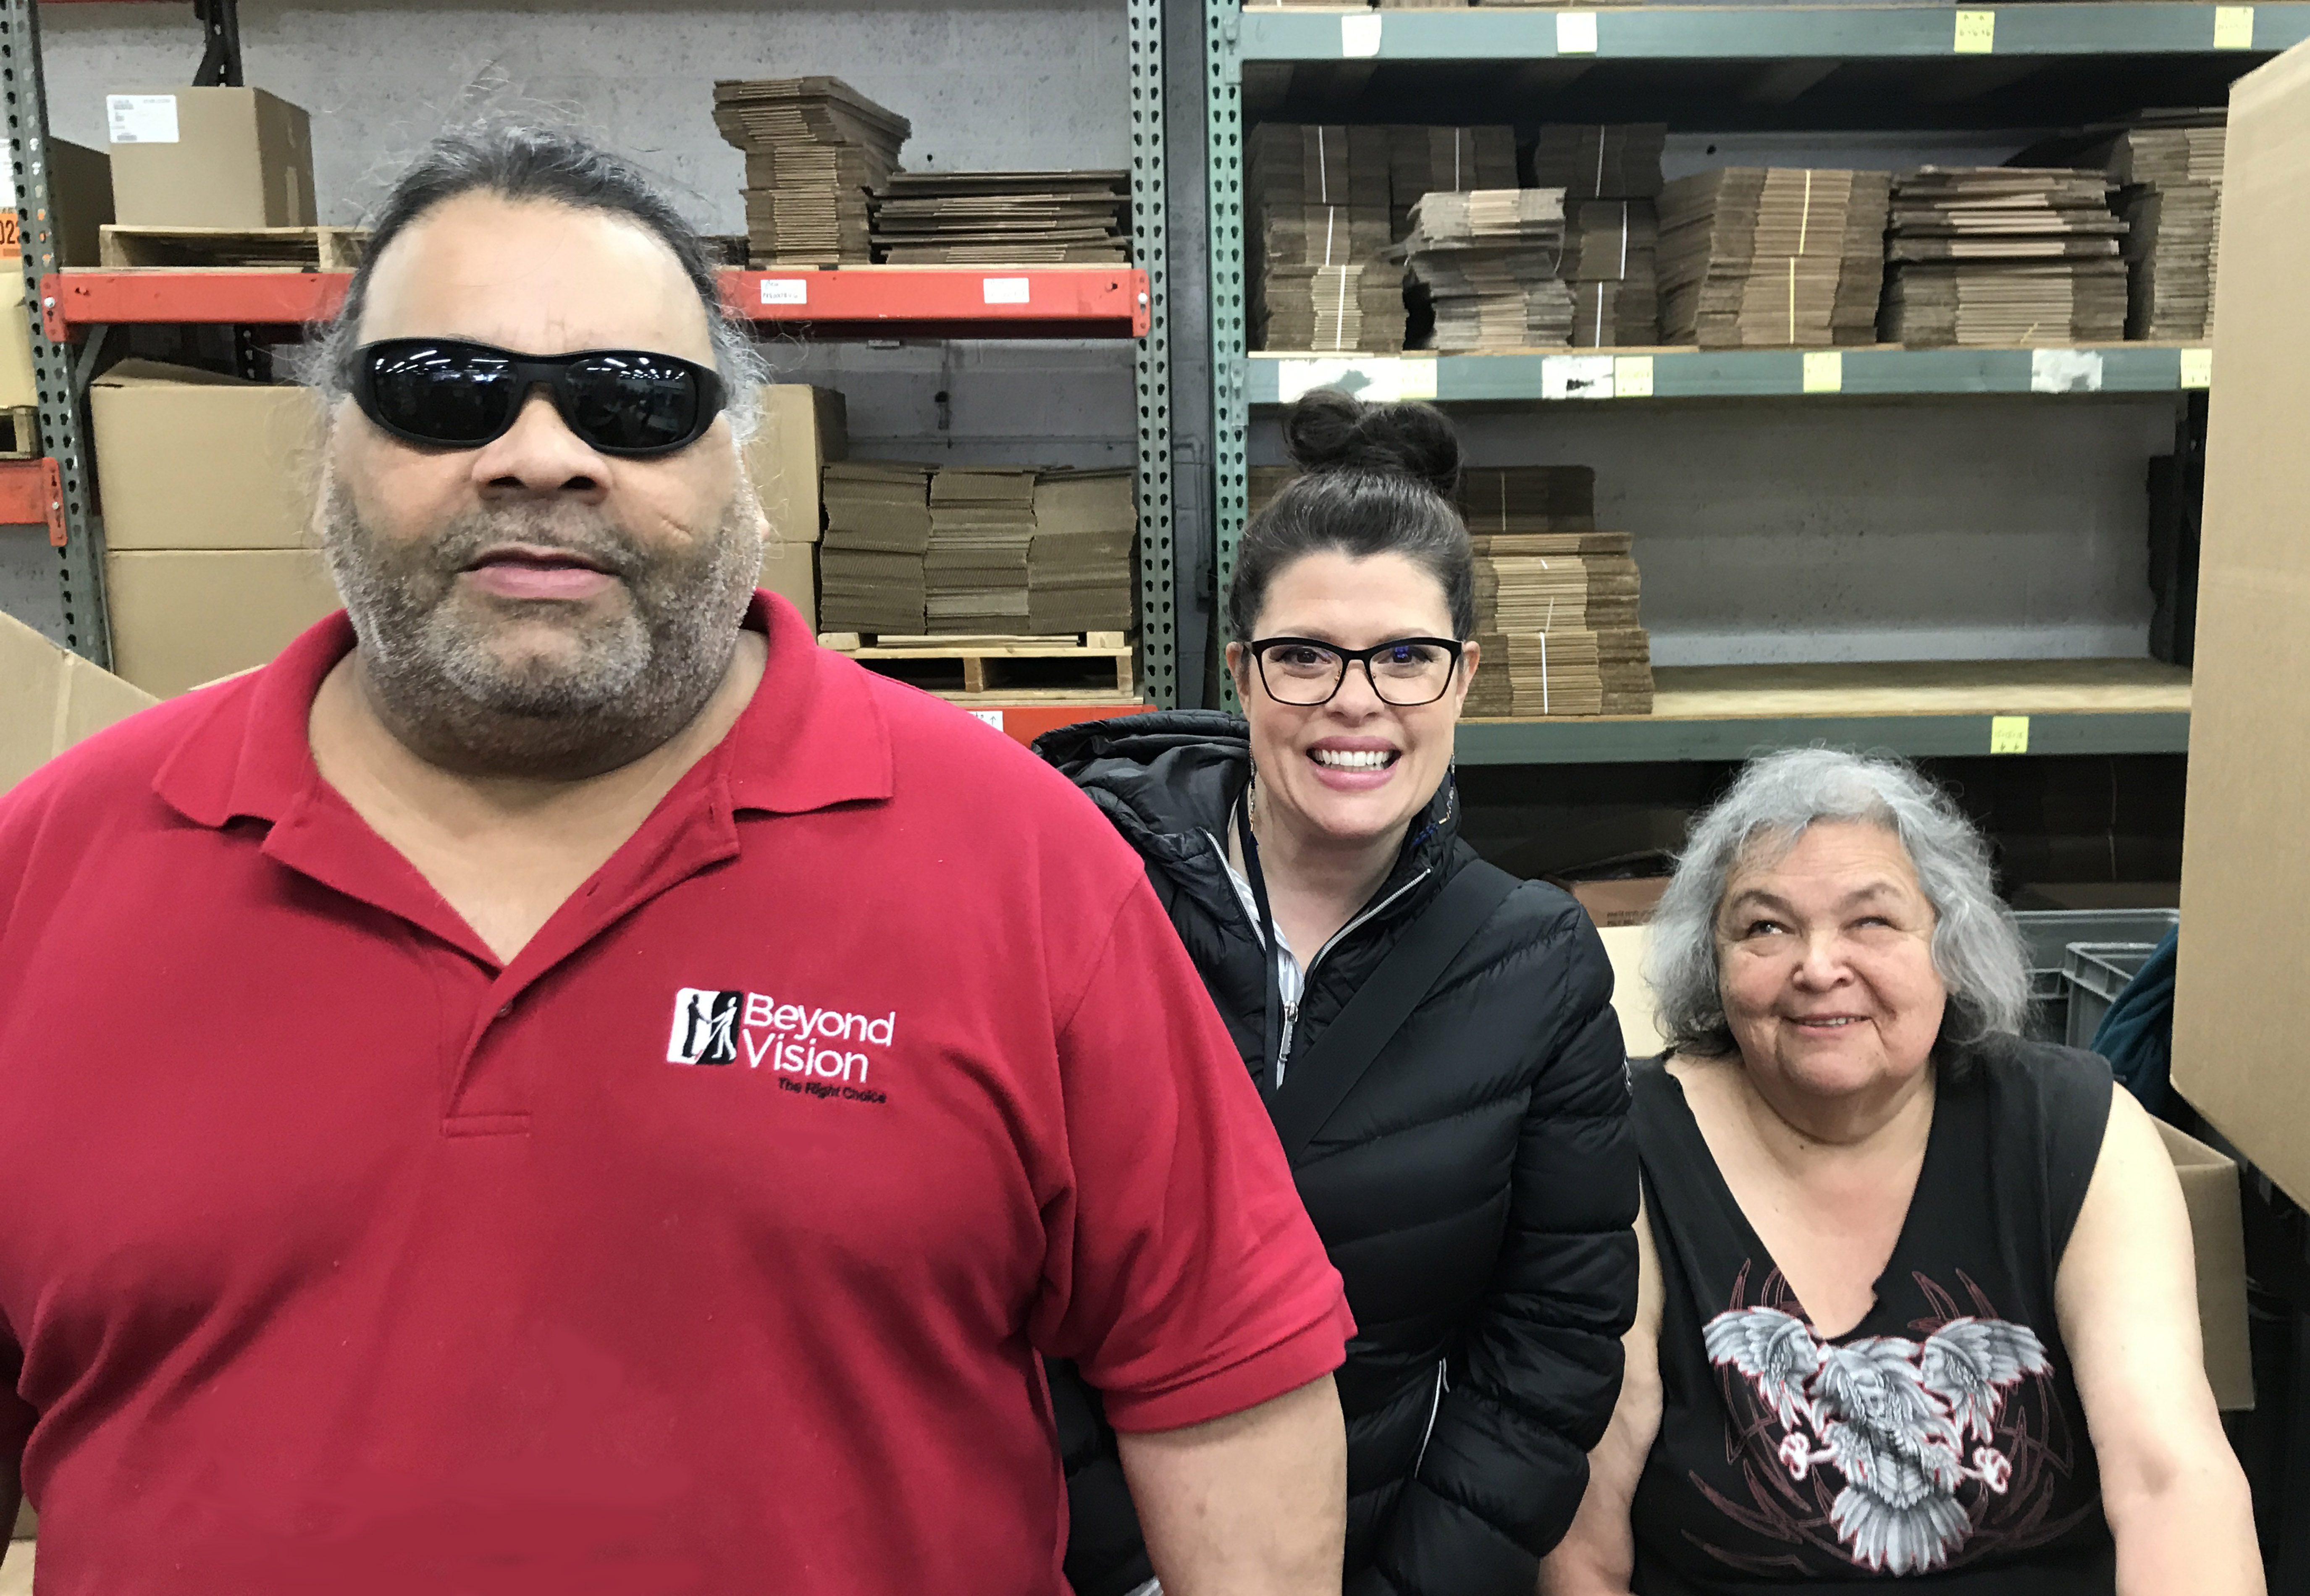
(1305,671)
(447,394)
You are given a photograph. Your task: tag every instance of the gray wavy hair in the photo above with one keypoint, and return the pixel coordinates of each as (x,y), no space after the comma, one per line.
(1976,946)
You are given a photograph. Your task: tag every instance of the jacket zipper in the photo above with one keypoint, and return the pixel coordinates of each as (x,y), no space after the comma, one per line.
(1307,975)
(1435,1406)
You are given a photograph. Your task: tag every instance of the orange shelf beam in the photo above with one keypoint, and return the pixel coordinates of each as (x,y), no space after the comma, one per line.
(839,302)
(1026,721)
(33,494)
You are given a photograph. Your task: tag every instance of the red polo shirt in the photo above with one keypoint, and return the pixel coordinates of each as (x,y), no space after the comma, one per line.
(705,1247)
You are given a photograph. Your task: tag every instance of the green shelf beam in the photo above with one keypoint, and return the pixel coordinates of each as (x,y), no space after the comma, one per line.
(1731,374)
(1764,32)
(1664,741)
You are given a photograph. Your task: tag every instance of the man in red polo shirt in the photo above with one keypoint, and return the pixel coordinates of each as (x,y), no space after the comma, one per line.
(560,1085)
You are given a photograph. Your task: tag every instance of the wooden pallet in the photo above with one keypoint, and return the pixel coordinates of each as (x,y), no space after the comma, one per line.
(236,249)
(20,432)
(1087,668)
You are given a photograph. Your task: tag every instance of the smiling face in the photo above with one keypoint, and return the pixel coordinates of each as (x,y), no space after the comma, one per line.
(534,577)
(1825,965)
(1356,769)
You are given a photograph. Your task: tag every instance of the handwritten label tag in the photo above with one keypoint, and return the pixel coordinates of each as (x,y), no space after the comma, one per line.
(2009,733)
(1415,379)
(2065,371)
(1004,290)
(1976,33)
(1632,376)
(1575,33)
(785,290)
(993,717)
(1824,371)
(2197,368)
(2233,27)
(1576,376)
(1359,35)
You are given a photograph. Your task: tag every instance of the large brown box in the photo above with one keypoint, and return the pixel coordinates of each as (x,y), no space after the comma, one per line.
(51,699)
(189,459)
(2240,1055)
(223,158)
(801,429)
(183,617)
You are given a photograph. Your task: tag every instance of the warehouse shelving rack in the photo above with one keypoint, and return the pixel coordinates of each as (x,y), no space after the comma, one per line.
(1775,53)
(69,309)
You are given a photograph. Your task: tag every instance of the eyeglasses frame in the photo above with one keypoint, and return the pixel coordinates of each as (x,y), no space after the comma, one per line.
(550,372)
(1258,649)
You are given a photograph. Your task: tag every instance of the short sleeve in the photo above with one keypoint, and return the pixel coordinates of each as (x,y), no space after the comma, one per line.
(1182,1274)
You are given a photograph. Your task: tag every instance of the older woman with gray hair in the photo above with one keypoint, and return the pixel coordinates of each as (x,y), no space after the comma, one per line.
(1917,1297)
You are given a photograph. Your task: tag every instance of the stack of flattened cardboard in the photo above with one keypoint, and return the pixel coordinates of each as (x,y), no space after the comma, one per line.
(1003,219)
(1427,160)
(1318,197)
(1772,257)
(1079,572)
(1555,600)
(982,532)
(869,562)
(2170,168)
(1611,261)
(1486,263)
(2002,255)
(1593,161)
(815,148)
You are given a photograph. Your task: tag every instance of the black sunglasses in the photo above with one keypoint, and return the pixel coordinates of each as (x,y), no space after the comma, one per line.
(1407,672)
(448,394)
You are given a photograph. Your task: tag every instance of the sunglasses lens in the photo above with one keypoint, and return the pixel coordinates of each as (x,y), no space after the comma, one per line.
(442,393)
(634,403)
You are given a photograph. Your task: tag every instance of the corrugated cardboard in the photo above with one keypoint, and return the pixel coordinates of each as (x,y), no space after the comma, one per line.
(80,199)
(801,429)
(2239,1053)
(1621,903)
(2209,1187)
(50,698)
(183,617)
(189,459)
(26,1522)
(790,570)
(241,158)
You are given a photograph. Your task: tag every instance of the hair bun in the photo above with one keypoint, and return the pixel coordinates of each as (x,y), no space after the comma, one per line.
(1328,430)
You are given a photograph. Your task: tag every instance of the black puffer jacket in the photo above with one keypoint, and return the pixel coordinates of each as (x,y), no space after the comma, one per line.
(1476,1189)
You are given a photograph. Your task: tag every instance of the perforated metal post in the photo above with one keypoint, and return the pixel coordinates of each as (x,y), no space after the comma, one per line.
(1159,620)
(80,553)
(1230,405)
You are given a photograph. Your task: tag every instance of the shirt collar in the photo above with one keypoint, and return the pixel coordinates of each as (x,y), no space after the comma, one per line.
(813,735)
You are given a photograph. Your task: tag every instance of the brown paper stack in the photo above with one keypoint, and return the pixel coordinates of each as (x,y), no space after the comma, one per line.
(1486,263)
(1772,257)
(2004,256)
(1318,215)
(1079,572)
(1543,572)
(1611,262)
(1592,160)
(1425,160)
(870,564)
(2170,167)
(982,532)
(815,148)
(1002,219)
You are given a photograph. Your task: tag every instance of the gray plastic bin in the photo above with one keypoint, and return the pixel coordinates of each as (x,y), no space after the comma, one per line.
(2048,932)
(2094,974)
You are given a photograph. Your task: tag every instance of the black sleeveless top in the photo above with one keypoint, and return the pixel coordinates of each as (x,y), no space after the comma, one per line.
(1941,1440)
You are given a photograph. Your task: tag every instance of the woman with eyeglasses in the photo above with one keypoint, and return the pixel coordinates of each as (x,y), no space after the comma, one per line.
(1434,1038)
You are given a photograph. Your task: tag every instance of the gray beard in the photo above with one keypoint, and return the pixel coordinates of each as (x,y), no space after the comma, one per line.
(431,667)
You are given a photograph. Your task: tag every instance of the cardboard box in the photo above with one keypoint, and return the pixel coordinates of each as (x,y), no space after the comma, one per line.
(224,158)
(27,1522)
(189,459)
(1621,903)
(183,617)
(790,570)
(50,698)
(80,199)
(2209,1187)
(802,427)
(2238,1043)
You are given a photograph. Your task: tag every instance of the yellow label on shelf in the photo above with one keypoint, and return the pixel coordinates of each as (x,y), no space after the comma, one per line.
(1575,33)
(2197,368)
(1632,376)
(2233,27)
(1415,379)
(1976,33)
(2009,733)
(1824,371)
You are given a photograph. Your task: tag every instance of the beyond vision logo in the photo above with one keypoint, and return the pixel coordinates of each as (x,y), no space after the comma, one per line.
(821,1046)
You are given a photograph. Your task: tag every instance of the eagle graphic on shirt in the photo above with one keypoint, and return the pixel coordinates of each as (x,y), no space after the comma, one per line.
(1892,1417)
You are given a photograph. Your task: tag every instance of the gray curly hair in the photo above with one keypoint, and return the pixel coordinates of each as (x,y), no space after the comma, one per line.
(1977,948)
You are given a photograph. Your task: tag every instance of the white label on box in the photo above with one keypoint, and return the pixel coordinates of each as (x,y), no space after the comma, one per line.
(1376,379)
(1575,33)
(785,290)
(141,119)
(993,717)
(1632,376)
(1359,35)
(2197,368)
(2065,371)
(1576,376)
(1006,291)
